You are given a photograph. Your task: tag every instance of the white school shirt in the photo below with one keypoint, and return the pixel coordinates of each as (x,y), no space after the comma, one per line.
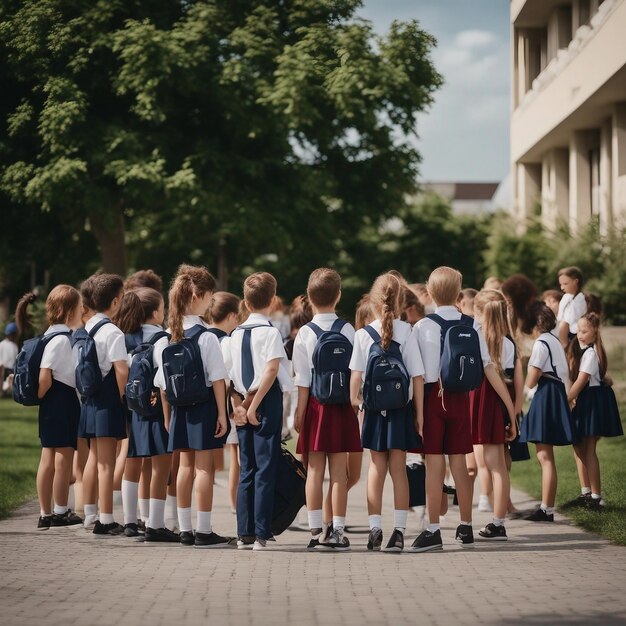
(590,364)
(266,344)
(403,335)
(508,349)
(8,353)
(571,309)
(428,335)
(305,343)
(210,352)
(110,343)
(540,358)
(59,357)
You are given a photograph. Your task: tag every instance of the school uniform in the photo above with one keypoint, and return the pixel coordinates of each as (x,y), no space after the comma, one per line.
(328,428)
(221,337)
(447,418)
(193,427)
(103,414)
(59,411)
(395,430)
(549,419)
(488,412)
(596,413)
(249,350)
(571,309)
(147,435)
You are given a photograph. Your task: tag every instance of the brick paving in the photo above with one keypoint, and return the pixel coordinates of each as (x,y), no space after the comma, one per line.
(545,574)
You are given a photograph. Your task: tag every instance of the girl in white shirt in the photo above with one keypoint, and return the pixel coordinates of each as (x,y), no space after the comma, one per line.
(573,304)
(549,420)
(59,409)
(595,409)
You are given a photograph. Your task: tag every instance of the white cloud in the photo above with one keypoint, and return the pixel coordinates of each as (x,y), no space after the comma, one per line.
(475,38)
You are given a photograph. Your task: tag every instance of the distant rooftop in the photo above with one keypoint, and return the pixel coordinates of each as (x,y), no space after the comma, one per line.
(463,191)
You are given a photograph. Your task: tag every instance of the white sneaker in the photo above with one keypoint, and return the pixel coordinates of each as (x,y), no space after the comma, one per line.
(260,544)
(484,505)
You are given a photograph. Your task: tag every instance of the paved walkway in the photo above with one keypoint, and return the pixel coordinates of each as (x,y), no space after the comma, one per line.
(545,574)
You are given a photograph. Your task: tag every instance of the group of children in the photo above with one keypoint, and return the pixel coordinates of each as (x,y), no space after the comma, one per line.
(445,385)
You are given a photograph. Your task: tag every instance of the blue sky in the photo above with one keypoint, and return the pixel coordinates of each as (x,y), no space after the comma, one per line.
(465,136)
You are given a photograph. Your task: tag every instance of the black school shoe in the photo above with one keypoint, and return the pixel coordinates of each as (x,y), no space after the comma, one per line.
(375,539)
(427,541)
(539,516)
(493,532)
(213,540)
(337,542)
(396,542)
(187,538)
(245,542)
(132,530)
(69,518)
(160,535)
(465,536)
(44,522)
(107,529)
(579,502)
(595,504)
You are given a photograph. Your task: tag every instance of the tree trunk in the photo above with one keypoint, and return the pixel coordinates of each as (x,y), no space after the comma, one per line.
(222,265)
(109,230)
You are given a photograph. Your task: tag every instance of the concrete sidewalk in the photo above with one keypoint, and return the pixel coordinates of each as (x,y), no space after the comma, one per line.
(545,574)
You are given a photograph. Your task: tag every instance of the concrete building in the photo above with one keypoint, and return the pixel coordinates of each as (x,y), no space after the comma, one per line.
(568,121)
(466,198)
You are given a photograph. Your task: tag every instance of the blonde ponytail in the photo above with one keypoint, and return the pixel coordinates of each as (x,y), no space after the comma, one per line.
(385,300)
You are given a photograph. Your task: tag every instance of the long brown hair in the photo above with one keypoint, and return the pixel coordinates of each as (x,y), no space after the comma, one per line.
(575,352)
(22,317)
(385,297)
(491,305)
(60,303)
(137,306)
(189,280)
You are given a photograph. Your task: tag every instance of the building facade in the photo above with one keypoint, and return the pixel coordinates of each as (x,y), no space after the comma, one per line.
(568,120)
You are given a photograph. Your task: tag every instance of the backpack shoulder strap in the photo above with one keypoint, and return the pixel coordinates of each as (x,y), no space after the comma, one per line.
(315,328)
(98,326)
(437,319)
(545,343)
(158,335)
(338,324)
(466,320)
(194,332)
(372,333)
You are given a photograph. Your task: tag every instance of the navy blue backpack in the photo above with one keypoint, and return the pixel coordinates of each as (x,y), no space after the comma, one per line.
(140,386)
(88,374)
(185,381)
(461,367)
(330,382)
(27,366)
(387,380)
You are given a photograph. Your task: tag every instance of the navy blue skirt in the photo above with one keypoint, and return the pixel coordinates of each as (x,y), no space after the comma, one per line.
(393,431)
(103,414)
(147,436)
(549,419)
(193,427)
(59,414)
(596,413)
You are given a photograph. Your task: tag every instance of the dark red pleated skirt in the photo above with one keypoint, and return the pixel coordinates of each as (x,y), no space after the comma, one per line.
(329,428)
(488,415)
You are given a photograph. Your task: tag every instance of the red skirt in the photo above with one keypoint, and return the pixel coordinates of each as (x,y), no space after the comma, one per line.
(329,428)
(488,415)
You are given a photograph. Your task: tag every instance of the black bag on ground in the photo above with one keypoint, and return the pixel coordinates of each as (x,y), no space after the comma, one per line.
(416,473)
(289,494)
(518,449)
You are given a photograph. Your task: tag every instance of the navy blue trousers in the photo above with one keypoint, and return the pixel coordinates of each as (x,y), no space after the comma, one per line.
(259,453)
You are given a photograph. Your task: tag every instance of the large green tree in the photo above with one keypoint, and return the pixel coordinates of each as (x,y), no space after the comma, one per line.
(231,132)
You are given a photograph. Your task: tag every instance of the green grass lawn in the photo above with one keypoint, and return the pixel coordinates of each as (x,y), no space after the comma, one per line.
(19,454)
(611,523)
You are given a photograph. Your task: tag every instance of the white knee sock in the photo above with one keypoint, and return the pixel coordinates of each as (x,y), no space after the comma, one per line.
(399,519)
(144,509)
(170,507)
(130,495)
(204,522)
(184,519)
(315,519)
(375,521)
(156,518)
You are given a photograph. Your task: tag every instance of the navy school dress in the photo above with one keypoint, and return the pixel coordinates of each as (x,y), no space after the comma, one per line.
(59,414)
(390,430)
(549,419)
(147,435)
(596,413)
(193,427)
(103,414)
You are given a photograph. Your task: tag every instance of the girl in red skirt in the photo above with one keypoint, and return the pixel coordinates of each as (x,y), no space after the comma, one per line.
(324,417)
(490,429)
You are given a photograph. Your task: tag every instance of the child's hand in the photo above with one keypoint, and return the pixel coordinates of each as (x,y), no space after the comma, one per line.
(252,417)
(297,422)
(221,428)
(240,416)
(153,399)
(607,380)
(419,425)
(511,431)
